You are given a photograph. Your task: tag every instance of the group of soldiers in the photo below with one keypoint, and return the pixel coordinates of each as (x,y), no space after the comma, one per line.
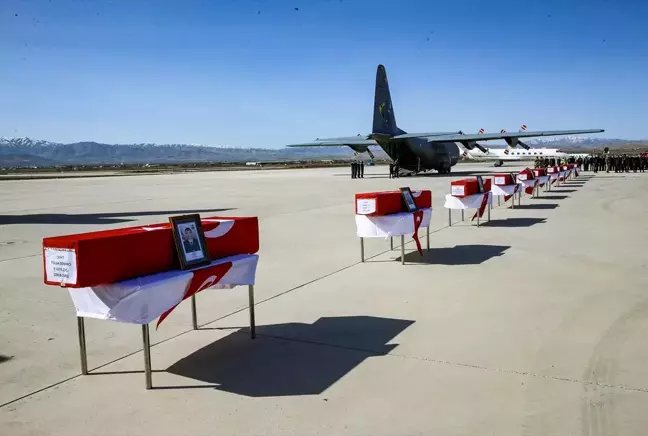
(357,170)
(619,163)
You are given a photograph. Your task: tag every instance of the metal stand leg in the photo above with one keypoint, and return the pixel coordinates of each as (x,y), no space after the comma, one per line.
(499,199)
(361,249)
(252,320)
(477,218)
(428,237)
(147,355)
(402,250)
(194,316)
(449,217)
(391,243)
(82,345)
(489,212)
(462,215)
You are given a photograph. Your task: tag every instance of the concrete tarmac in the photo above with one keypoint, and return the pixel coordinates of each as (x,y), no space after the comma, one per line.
(532,324)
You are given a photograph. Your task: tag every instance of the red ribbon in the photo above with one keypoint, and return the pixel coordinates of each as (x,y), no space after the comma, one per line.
(515,190)
(418,219)
(202,279)
(482,207)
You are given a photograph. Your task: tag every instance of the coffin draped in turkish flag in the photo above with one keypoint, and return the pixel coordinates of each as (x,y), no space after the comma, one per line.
(389,202)
(467,187)
(108,256)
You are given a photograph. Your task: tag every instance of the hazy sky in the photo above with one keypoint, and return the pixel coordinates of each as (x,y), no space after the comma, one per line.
(262,73)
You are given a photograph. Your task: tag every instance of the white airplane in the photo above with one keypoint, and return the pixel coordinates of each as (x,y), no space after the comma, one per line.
(510,154)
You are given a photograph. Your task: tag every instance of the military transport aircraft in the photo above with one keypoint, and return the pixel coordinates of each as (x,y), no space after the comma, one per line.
(416,152)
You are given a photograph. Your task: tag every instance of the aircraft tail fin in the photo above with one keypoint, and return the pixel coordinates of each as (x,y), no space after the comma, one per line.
(384,121)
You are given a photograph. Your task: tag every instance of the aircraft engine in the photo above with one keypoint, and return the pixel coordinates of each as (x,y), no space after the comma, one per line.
(362,149)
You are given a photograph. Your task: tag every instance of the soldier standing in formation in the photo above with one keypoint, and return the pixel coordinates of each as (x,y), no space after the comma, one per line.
(619,163)
(393,170)
(357,170)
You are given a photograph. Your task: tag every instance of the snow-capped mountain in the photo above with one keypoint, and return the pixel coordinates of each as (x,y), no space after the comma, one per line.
(33,152)
(579,142)
(24,142)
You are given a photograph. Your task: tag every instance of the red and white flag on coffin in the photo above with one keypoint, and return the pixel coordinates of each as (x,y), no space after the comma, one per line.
(418,219)
(482,207)
(202,279)
(221,274)
(529,189)
(515,190)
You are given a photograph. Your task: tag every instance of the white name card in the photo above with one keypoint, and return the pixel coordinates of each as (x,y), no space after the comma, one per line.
(523,176)
(500,180)
(365,206)
(458,190)
(61,265)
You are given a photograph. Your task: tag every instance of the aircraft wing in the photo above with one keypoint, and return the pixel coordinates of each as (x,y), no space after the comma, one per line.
(336,142)
(514,135)
(425,135)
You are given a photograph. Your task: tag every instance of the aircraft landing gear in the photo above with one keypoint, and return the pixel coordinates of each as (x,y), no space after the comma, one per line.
(444,170)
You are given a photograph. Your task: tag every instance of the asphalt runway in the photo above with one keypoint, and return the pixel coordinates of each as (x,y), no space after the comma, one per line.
(533,324)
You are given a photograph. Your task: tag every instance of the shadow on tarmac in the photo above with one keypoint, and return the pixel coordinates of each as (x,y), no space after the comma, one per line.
(290,359)
(4,358)
(610,177)
(553,197)
(514,222)
(457,255)
(94,218)
(538,206)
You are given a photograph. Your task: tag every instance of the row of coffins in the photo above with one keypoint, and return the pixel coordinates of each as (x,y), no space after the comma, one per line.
(390,214)
(141,274)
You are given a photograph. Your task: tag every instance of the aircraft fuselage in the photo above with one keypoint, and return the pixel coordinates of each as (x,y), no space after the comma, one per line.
(417,154)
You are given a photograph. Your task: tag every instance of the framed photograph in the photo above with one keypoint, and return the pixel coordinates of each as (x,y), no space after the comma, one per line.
(514,178)
(480,184)
(408,198)
(189,241)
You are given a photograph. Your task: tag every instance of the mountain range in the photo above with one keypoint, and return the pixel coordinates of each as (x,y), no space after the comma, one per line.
(27,152)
